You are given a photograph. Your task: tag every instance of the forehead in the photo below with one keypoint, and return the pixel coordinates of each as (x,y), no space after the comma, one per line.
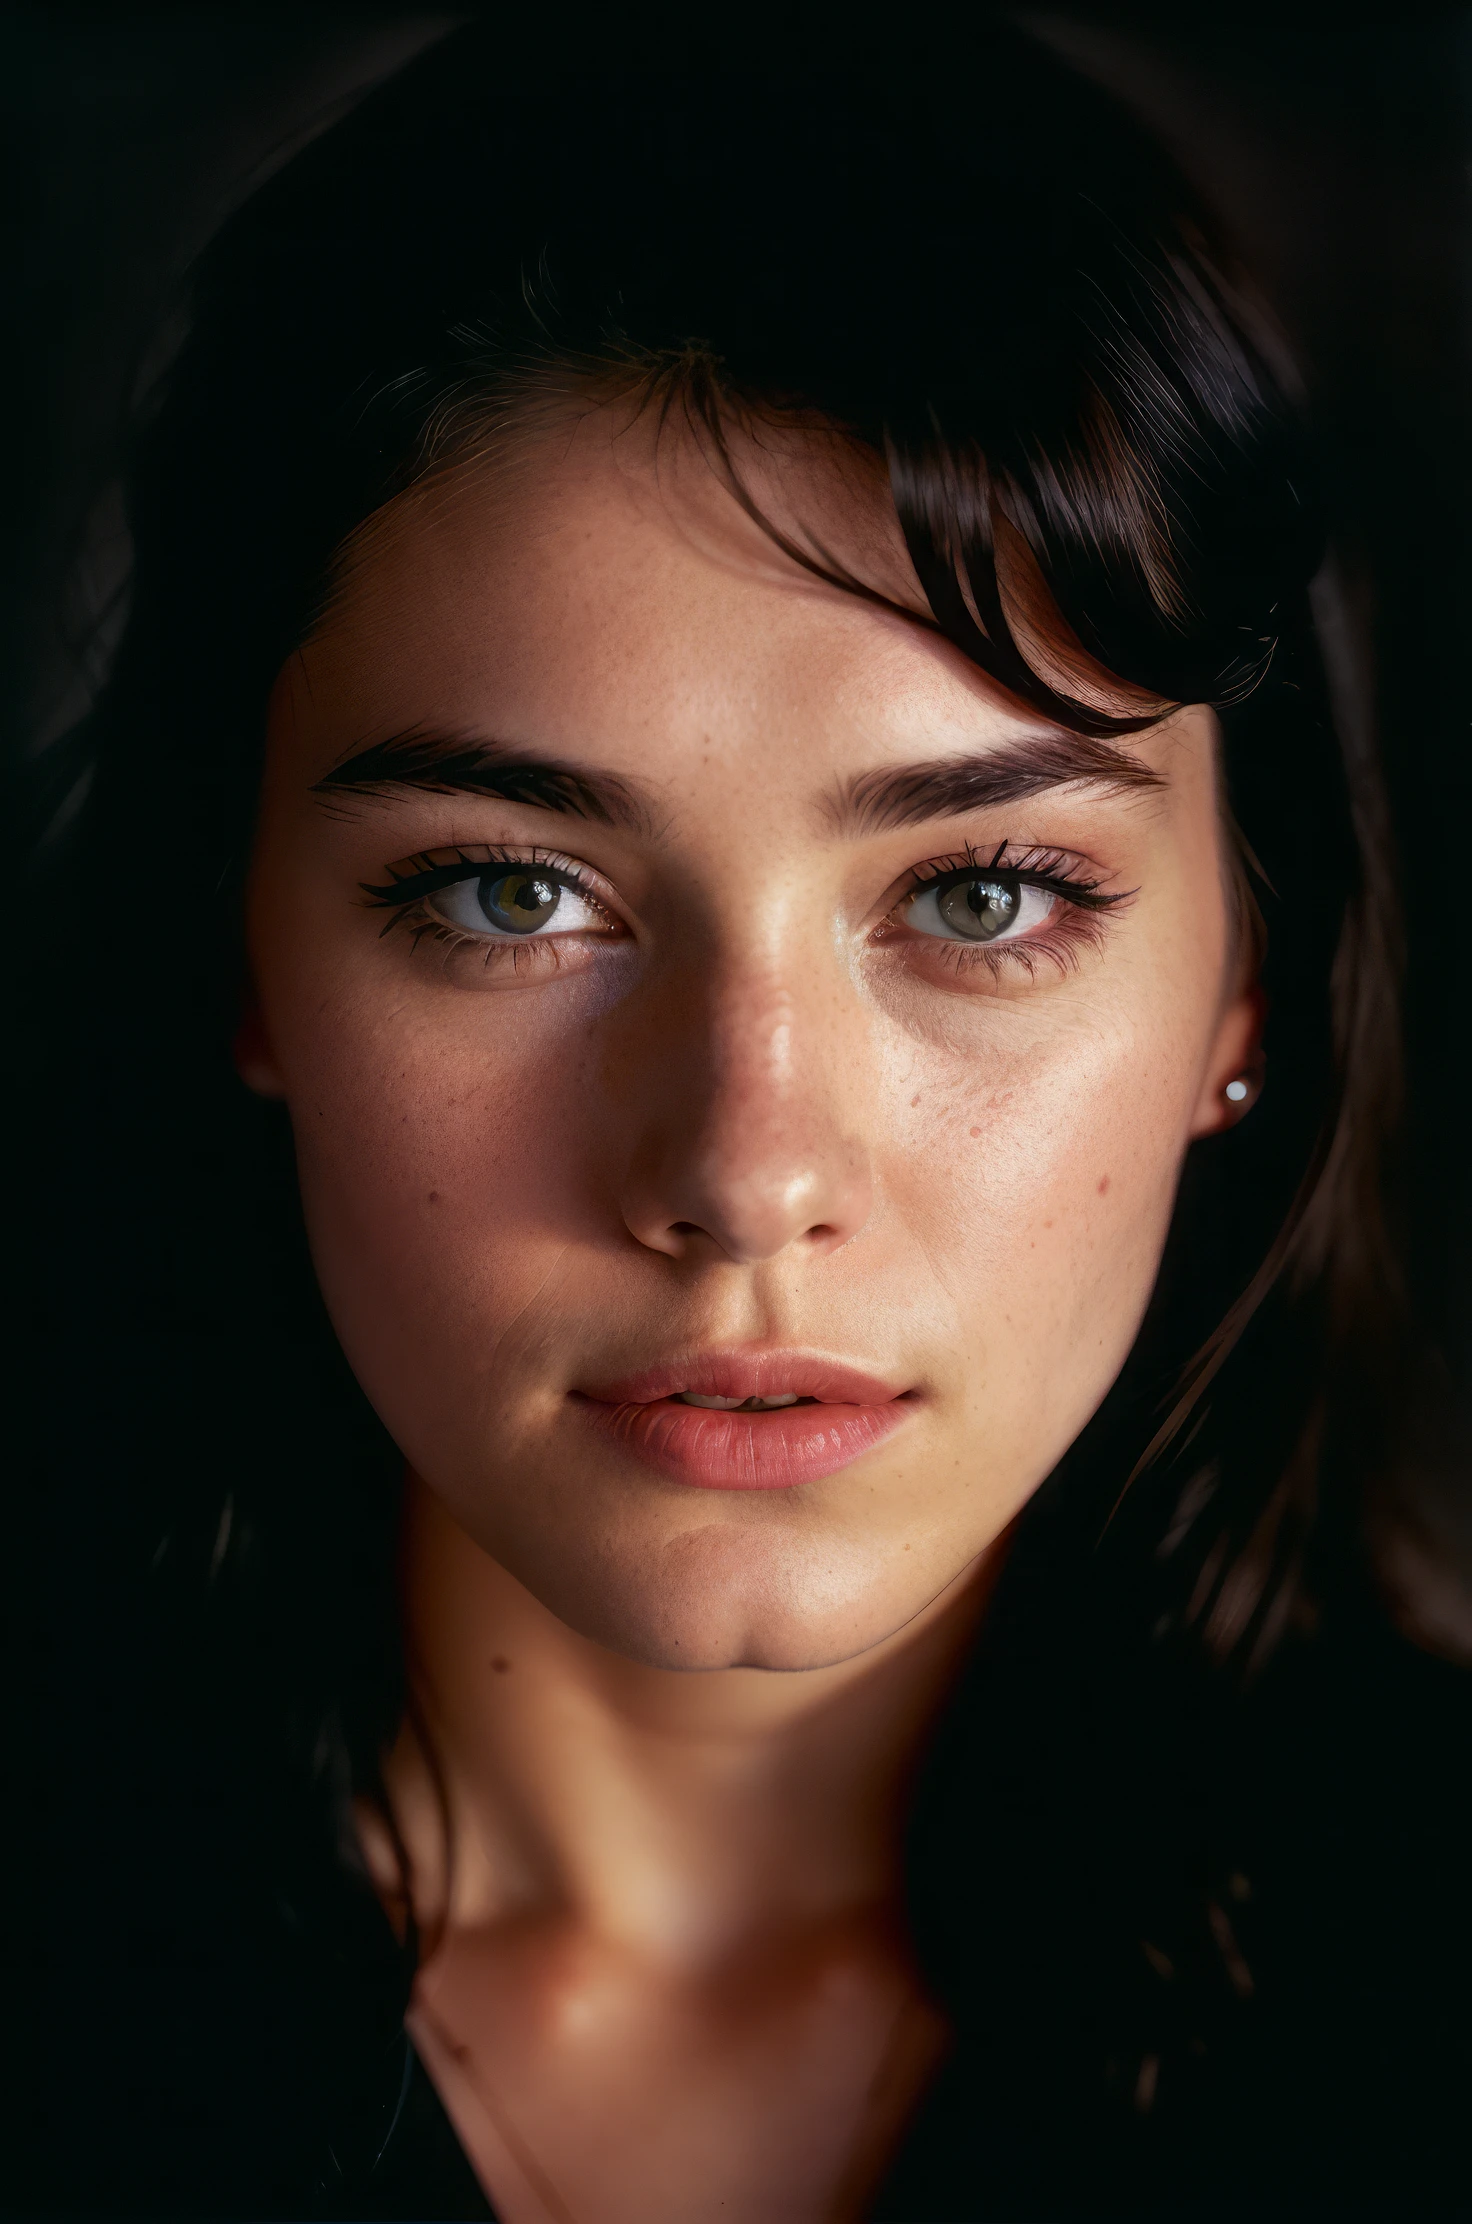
(598,590)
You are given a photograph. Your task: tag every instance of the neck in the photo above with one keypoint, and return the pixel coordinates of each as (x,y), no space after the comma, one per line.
(681,1814)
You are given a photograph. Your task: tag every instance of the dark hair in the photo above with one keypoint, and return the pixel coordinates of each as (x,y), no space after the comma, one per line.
(1007,295)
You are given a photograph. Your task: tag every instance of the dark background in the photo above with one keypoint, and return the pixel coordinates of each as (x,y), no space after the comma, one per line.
(1336,143)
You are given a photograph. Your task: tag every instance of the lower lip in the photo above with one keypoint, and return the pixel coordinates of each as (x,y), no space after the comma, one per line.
(775,1450)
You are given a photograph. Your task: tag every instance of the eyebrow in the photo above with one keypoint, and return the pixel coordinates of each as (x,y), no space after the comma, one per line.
(893,796)
(461,764)
(904,795)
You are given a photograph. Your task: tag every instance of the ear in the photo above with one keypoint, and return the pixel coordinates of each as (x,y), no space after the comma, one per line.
(1235,1055)
(255,1061)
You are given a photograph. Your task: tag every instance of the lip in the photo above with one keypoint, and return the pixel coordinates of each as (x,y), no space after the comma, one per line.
(777,1450)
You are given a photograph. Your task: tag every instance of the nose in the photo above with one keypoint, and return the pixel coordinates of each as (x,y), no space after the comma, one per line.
(743,1148)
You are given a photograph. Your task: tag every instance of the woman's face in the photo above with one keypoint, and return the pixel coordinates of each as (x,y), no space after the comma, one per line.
(753,1003)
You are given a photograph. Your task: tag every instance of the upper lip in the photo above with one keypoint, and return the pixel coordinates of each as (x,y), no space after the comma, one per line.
(748,1374)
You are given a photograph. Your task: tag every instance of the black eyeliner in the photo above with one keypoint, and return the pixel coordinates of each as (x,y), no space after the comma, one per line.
(407,887)
(1088,895)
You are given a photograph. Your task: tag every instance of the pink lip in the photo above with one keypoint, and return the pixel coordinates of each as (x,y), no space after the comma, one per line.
(747,1451)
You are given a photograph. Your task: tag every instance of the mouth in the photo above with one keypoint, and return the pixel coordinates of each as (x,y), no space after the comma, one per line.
(769,1420)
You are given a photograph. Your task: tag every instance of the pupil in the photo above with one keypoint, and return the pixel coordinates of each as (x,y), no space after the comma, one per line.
(518,903)
(980,908)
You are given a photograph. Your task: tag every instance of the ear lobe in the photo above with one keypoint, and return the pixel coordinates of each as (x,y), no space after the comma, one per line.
(255,1061)
(1236,1055)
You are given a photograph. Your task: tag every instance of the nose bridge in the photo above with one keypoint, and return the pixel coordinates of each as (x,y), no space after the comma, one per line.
(756,1047)
(747,1142)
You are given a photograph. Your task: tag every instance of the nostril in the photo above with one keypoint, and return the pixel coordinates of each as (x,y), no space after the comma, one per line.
(742,1195)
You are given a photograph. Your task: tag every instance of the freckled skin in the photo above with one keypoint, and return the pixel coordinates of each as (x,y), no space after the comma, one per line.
(747,1120)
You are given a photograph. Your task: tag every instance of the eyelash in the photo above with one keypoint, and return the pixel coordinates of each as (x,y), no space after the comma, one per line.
(410,885)
(1079,923)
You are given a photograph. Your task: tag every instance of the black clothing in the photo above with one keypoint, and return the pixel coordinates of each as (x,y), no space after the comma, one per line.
(420,2170)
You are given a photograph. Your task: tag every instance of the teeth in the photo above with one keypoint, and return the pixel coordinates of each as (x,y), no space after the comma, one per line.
(738,1405)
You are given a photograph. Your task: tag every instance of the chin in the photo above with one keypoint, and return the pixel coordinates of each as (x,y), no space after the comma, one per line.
(712,1599)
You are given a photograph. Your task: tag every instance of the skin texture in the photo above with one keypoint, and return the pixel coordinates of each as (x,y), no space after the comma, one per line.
(752,1108)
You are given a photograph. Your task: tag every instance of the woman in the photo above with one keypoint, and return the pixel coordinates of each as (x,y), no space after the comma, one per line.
(722,701)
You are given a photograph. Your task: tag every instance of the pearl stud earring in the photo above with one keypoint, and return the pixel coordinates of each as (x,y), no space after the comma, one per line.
(1235,1092)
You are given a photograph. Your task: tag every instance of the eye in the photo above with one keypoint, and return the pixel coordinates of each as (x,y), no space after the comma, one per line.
(982,906)
(516,900)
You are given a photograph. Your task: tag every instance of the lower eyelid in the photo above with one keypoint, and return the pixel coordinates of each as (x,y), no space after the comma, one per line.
(1070,930)
(1059,941)
(490,953)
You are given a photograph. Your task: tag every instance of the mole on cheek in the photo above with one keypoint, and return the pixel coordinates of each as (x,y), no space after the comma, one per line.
(1104,1184)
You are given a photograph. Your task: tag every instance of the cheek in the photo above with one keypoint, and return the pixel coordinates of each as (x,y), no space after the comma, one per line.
(443,1166)
(1038,1173)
